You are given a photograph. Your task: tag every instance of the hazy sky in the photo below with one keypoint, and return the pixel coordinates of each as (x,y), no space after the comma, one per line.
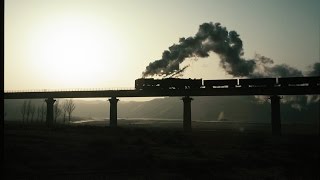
(59,44)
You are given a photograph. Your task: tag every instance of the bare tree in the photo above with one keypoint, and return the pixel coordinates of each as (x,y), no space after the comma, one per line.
(38,113)
(70,106)
(28,109)
(32,111)
(43,111)
(57,111)
(65,110)
(24,110)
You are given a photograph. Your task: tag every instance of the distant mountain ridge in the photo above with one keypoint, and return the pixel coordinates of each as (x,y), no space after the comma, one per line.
(239,108)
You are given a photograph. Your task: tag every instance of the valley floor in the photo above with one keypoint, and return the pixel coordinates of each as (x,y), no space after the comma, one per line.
(34,151)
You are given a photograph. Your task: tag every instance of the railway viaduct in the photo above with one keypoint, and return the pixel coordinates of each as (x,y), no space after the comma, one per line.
(274,93)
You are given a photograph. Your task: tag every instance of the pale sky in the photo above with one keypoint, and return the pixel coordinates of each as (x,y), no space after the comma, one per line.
(62,44)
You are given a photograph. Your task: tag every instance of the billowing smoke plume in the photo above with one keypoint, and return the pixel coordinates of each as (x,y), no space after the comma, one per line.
(228,46)
(265,67)
(315,71)
(210,38)
(221,116)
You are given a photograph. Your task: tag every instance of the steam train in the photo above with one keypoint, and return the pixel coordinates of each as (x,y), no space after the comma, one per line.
(183,84)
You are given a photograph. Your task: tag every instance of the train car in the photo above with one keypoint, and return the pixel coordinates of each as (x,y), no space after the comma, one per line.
(146,83)
(167,83)
(195,83)
(172,83)
(299,81)
(258,82)
(221,83)
(176,83)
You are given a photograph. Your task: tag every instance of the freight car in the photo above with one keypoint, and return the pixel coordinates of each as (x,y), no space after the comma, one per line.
(175,83)
(259,82)
(220,83)
(299,81)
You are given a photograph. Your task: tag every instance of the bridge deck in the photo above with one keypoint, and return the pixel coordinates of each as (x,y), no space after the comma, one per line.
(295,90)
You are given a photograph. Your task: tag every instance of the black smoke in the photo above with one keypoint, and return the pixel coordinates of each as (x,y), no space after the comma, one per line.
(315,70)
(209,38)
(265,67)
(229,47)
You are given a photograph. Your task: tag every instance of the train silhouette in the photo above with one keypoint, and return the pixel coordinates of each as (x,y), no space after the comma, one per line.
(183,84)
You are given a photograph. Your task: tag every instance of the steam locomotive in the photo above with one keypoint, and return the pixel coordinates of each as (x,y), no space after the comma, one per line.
(183,84)
(168,83)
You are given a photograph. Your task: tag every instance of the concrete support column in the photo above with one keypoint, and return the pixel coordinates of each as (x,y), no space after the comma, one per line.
(113,111)
(275,115)
(319,117)
(49,117)
(187,113)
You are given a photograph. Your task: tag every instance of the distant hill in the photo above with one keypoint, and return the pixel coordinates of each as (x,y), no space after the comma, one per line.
(239,108)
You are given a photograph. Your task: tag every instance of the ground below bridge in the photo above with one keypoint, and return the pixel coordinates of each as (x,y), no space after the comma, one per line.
(73,152)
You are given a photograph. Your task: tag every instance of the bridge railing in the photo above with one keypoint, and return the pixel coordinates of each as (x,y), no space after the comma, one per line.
(69,90)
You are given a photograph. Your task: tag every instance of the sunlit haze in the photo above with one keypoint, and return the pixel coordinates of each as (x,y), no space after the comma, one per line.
(62,44)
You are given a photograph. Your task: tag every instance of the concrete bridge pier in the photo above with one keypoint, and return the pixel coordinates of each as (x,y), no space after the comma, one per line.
(275,115)
(187,113)
(49,119)
(113,111)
